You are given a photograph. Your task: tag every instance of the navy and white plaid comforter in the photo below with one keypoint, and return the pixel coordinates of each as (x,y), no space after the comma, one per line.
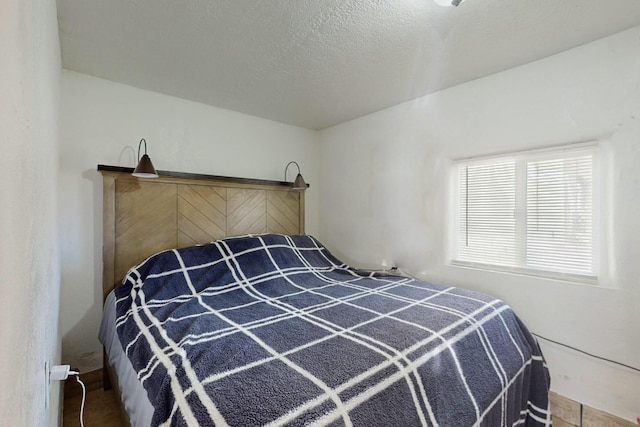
(273,330)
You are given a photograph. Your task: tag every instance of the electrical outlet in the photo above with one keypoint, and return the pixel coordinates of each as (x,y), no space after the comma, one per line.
(47,385)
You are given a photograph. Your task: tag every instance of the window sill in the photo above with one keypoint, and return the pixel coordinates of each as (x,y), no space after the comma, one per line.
(563,277)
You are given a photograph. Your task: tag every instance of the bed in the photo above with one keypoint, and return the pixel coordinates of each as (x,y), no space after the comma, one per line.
(269,328)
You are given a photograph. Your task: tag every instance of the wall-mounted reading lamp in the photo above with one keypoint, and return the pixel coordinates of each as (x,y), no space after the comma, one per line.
(145,168)
(298,184)
(449,2)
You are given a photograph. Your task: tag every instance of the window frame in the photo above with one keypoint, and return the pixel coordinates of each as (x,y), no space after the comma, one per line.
(521,158)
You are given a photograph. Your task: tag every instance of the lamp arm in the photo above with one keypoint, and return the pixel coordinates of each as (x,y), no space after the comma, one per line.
(287,167)
(145,147)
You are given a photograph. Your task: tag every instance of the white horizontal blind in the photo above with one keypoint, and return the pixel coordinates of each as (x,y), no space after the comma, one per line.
(529,211)
(487,205)
(560,214)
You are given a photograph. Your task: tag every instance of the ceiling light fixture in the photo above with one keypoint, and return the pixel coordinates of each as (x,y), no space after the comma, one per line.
(145,168)
(449,2)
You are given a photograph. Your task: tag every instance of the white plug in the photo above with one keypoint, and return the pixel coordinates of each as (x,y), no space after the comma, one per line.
(59,372)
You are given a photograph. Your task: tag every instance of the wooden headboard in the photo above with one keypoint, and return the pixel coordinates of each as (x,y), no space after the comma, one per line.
(145,216)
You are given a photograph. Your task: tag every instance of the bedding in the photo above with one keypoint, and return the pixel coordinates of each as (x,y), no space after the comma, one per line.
(134,397)
(274,330)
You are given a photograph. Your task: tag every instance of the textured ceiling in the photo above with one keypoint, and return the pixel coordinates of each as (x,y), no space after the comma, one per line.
(317,63)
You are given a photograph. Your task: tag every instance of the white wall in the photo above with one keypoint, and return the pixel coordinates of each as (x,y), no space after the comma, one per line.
(385,190)
(102,123)
(29,263)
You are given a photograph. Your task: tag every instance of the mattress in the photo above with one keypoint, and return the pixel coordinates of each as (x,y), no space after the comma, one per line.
(134,397)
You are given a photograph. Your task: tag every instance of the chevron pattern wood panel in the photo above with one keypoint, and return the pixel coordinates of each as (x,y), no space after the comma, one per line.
(142,217)
(283,212)
(202,214)
(246,211)
(145,221)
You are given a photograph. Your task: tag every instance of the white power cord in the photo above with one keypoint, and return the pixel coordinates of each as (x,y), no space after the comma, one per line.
(84,395)
(61,373)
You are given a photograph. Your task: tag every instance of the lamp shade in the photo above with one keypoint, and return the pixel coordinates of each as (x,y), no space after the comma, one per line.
(145,168)
(299,183)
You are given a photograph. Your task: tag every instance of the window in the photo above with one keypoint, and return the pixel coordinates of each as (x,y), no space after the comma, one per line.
(529,211)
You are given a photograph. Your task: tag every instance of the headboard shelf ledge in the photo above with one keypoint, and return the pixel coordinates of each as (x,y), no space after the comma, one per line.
(165,175)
